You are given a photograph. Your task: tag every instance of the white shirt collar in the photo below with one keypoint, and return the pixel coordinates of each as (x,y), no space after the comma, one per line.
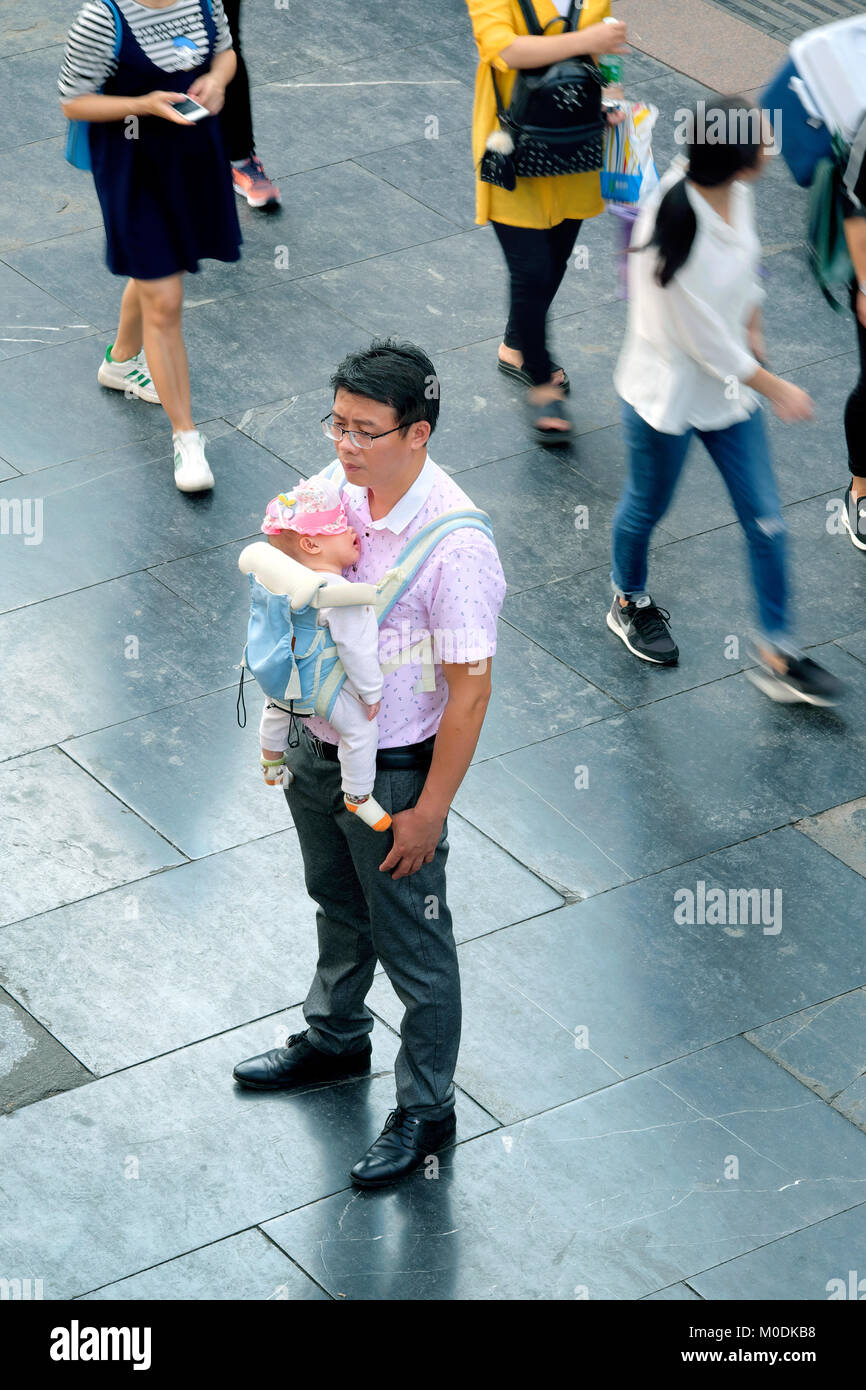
(407,507)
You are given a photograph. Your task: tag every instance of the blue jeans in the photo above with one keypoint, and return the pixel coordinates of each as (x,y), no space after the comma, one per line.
(741,454)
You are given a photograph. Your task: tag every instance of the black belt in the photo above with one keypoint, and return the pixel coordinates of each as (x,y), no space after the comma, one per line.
(408,756)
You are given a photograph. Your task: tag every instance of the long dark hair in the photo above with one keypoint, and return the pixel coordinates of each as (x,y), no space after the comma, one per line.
(722,138)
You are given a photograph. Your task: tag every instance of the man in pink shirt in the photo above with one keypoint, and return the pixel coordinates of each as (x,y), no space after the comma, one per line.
(381,897)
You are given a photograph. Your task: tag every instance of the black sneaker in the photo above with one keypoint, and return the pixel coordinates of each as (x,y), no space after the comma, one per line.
(803,682)
(855,518)
(644,629)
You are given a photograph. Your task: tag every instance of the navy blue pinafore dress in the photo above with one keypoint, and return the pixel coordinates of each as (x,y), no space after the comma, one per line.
(167,197)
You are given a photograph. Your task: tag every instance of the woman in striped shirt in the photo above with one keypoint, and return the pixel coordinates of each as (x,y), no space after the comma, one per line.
(163,182)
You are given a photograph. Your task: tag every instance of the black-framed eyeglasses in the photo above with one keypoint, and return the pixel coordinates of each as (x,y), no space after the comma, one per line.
(359,438)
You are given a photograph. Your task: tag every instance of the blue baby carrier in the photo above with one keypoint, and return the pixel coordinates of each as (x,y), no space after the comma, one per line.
(292,656)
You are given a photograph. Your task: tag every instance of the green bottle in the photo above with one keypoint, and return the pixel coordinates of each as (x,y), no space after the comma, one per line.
(610,64)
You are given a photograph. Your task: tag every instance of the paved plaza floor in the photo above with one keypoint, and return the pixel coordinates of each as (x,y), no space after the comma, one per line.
(653,1102)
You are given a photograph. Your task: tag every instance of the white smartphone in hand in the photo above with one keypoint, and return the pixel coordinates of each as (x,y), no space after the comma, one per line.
(192,110)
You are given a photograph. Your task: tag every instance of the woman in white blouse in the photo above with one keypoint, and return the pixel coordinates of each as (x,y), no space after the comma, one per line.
(691,364)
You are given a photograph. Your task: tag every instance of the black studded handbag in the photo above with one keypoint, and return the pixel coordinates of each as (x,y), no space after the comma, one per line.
(554,122)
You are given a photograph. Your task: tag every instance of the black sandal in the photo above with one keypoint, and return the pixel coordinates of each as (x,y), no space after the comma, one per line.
(546,410)
(519,374)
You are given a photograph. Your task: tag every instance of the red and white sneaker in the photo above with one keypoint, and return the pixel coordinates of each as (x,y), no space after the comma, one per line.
(252,183)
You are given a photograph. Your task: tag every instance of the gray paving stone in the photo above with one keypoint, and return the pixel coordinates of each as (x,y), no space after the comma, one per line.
(51,859)
(534,694)
(809,1265)
(429,170)
(515,1058)
(711,622)
(302,238)
(29,105)
(25,29)
(343,109)
(594,810)
(180,956)
(852,1102)
(33,1065)
(104,516)
(842,831)
(7,471)
(138,1168)
(32,319)
(823,1046)
(284,42)
(635,985)
(284,349)
(48,418)
(162,765)
(613,1196)
(117,651)
(53,200)
(421,293)
(855,643)
(674,1293)
(548,521)
(244,1267)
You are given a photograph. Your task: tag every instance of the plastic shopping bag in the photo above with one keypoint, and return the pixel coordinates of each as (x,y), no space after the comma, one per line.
(628,163)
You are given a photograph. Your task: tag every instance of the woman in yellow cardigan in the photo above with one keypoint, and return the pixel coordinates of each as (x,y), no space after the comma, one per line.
(537,223)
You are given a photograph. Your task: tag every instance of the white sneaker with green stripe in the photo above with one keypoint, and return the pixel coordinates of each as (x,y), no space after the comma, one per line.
(191,468)
(132,376)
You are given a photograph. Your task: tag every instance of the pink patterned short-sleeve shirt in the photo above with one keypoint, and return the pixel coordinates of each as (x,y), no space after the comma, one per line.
(454,600)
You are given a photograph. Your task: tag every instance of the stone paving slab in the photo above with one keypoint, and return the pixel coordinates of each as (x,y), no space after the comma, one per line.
(599,812)
(48,859)
(842,829)
(246,1267)
(299,239)
(711,622)
(614,1196)
(181,955)
(32,319)
(85,505)
(675,1293)
(632,985)
(52,201)
(344,109)
(33,1064)
(25,115)
(162,766)
(823,1046)
(702,40)
(516,1057)
(123,648)
(812,1264)
(75,1214)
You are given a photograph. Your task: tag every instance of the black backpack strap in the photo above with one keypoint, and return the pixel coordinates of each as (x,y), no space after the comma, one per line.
(572,18)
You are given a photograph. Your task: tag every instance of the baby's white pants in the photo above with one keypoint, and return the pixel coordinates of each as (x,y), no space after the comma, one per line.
(359,740)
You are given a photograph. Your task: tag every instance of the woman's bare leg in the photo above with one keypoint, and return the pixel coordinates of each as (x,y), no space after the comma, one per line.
(129,331)
(162,321)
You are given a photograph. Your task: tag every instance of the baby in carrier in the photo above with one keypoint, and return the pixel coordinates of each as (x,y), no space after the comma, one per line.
(309,525)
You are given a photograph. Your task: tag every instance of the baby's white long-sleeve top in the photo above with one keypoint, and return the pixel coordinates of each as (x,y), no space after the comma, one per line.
(355,634)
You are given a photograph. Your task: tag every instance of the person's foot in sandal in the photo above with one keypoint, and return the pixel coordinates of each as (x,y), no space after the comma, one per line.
(551,423)
(511,363)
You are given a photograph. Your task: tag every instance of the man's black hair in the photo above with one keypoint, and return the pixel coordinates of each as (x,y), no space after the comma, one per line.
(395,374)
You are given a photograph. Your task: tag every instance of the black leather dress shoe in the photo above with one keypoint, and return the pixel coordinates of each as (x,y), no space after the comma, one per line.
(404,1144)
(300,1064)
